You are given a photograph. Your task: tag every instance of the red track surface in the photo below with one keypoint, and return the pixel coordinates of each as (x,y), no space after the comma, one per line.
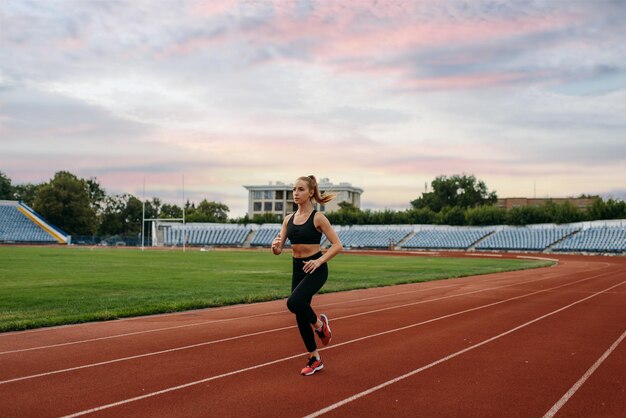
(513,344)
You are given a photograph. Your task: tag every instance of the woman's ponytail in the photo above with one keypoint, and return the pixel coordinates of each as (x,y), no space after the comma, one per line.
(312,183)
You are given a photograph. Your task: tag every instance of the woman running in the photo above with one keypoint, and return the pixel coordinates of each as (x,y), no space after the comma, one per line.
(304,229)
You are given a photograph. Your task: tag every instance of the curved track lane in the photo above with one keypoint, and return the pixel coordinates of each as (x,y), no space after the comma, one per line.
(546,341)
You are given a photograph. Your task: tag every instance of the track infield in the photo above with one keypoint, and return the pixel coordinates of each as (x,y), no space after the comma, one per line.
(534,343)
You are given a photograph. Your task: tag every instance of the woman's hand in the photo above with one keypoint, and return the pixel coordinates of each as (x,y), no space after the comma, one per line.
(276,247)
(311,265)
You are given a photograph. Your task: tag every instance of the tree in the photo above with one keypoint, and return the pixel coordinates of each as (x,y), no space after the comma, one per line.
(525,215)
(153,208)
(347,214)
(111,222)
(170,211)
(65,203)
(485,215)
(6,190)
(208,212)
(264,218)
(611,209)
(462,191)
(97,195)
(26,192)
(423,216)
(122,215)
(452,216)
(563,213)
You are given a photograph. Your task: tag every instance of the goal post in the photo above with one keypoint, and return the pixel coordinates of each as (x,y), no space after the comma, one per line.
(158,226)
(154,222)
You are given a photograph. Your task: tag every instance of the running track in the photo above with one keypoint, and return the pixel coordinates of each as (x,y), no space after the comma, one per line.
(546,342)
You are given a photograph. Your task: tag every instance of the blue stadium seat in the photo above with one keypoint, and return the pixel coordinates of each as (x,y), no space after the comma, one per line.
(595,239)
(453,238)
(17,227)
(524,238)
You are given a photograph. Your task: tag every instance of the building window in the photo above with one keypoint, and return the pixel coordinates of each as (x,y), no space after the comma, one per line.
(290,195)
(256,207)
(267,206)
(279,194)
(278,206)
(256,194)
(267,194)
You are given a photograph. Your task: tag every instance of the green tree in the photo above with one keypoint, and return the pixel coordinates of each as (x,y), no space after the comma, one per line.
(208,212)
(264,218)
(97,195)
(168,210)
(122,215)
(485,215)
(525,215)
(452,216)
(563,213)
(423,216)
(65,202)
(610,209)
(462,191)
(153,208)
(132,215)
(6,189)
(347,214)
(26,192)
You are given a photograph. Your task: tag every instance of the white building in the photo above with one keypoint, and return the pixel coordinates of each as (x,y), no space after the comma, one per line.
(278,198)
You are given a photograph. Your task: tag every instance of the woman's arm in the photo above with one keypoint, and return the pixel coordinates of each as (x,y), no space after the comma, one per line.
(279,242)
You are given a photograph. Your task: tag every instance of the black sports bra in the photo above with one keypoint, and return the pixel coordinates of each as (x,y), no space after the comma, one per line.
(305,233)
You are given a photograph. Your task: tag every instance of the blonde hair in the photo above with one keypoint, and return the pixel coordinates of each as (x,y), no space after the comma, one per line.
(312,183)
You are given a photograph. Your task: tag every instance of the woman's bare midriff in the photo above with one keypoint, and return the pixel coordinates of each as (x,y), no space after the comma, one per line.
(304,250)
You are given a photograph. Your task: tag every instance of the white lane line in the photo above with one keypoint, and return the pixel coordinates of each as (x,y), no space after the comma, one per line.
(186,385)
(197,382)
(138,318)
(448,357)
(557,406)
(293,326)
(53,372)
(128,334)
(213,321)
(131,318)
(171,350)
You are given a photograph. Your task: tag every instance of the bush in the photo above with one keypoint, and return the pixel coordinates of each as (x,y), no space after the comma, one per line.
(485,215)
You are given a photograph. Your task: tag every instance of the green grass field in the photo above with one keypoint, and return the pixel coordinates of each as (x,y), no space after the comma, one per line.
(42,286)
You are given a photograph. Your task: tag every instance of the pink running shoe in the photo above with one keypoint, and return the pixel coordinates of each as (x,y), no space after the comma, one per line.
(324,334)
(312,366)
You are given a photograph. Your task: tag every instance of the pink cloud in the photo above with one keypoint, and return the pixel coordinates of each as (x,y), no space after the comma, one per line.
(387,38)
(385,28)
(212,7)
(462,81)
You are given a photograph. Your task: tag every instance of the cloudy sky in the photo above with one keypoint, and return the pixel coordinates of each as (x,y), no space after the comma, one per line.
(529,96)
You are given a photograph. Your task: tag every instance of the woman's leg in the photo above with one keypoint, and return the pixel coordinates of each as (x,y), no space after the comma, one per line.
(300,303)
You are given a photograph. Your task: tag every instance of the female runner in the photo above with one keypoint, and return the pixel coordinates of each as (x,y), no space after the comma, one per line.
(304,229)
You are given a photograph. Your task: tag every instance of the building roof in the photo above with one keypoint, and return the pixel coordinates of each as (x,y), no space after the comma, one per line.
(323,184)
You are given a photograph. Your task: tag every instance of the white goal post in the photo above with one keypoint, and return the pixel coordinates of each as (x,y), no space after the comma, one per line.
(154,221)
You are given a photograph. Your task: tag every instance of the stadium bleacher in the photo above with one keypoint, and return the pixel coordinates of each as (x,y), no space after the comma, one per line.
(446,238)
(372,236)
(598,239)
(205,234)
(20,224)
(568,238)
(525,238)
(265,235)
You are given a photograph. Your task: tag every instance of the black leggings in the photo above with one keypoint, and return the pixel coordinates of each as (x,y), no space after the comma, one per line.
(303,287)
